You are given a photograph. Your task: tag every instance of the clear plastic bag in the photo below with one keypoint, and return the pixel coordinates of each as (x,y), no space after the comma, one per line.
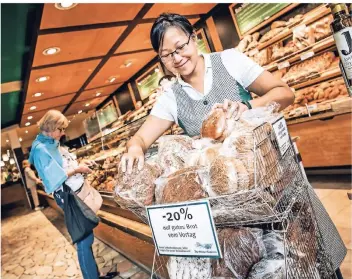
(183,185)
(274,244)
(269,268)
(241,249)
(189,268)
(172,152)
(203,157)
(137,188)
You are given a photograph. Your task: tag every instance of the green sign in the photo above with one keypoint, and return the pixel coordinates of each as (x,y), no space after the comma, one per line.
(249,16)
(91,126)
(202,44)
(147,85)
(107,115)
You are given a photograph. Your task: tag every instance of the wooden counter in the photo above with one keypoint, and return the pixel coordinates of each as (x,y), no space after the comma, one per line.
(324,141)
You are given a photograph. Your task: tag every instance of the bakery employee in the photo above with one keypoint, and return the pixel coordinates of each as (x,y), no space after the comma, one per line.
(204,82)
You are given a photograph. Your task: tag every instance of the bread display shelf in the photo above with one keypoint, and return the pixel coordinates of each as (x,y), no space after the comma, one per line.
(316,48)
(316,78)
(308,18)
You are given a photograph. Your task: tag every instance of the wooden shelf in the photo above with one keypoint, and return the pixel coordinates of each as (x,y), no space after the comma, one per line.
(316,78)
(318,47)
(308,18)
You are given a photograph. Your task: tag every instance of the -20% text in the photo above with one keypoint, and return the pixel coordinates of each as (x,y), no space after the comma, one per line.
(177,215)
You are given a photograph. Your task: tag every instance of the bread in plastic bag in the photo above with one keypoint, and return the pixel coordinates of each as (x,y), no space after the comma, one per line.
(189,268)
(241,249)
(214,125)
(227,175)
(172,152)
(274,244)
(269,268)
(203,157)
(180,186)
(137,188)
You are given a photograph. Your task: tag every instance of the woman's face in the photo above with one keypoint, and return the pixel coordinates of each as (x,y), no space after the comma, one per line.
(183,62)
(57,134)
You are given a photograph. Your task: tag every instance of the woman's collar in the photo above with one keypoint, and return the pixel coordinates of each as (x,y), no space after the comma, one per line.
(46,139)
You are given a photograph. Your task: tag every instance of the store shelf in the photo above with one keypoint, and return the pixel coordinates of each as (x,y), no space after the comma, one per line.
(316,78)
(308,18)
(317,48)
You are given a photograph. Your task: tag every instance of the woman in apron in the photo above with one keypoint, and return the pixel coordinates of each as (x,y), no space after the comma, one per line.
(205,82)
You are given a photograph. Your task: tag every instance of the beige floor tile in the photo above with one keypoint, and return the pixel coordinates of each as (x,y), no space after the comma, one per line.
(322,193)
(346,267)
(335,202)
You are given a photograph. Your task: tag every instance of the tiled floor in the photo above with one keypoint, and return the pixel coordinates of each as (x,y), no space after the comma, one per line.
(33,248)
(339,208)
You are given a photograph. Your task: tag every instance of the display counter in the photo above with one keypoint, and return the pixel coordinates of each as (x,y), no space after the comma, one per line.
(13,193)
(325,138)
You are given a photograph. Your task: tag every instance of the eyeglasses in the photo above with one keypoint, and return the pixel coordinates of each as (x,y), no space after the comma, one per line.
(62,130)
(167,58)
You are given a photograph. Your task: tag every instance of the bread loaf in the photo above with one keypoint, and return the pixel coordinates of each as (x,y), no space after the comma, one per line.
(278,23)
(241,249)
(184,185)
(137,188)
(214,126)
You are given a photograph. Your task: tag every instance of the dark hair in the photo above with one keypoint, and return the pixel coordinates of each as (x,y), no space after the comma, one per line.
(168,77)
(163,22)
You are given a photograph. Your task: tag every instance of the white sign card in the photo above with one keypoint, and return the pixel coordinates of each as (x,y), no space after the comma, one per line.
(282,135)
(184,229)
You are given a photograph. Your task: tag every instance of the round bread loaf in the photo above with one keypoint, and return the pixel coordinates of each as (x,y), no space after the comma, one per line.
(214,126)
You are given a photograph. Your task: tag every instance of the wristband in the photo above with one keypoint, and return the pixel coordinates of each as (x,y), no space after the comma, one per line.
(247,103)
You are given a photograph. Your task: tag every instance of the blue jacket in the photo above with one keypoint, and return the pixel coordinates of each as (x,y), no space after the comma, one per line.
(46,158)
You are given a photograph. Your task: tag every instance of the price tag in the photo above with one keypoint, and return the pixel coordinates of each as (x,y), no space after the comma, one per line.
(282,135)
(283,65)
(299,29)
(310,108)
(307,55)
(184,229)
(253,52)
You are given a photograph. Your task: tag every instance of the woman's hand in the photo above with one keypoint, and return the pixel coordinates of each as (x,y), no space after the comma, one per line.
(83,168)
(135,153)
(89,163)
(232,109)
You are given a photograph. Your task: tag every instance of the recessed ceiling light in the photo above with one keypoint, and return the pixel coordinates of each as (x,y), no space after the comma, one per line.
(38,94)
(65,5)
(7,140)
(20,139)
(157,70)
(128,64)
(32,108)
(69,121)
(112,79)
(87,105)
(26,132)
(98,94)
(80,111)
(28,123)
(51,50)
(139,83)
(42,79)
(29,117)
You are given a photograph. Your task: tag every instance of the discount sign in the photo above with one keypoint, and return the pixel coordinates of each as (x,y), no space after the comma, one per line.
(184,229)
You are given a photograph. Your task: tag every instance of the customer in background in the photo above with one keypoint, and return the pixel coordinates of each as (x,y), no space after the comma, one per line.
(15,174)
(49,162)
(4,175)
(31,181)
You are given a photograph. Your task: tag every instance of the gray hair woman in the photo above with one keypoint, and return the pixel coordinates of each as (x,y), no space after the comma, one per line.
(45,155)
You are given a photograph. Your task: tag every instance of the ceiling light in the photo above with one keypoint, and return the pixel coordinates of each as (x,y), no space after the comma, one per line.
(20,139)
(112,79)
(32,108)
(26,132)
(157,70)
(12,161)
(80,111)
(128,64)
(69,121)
(98,94)
(2,163)
(29,117)
(37,94)
(65,5)
(42,79)
(139,83)
(28,123)
(87,105)
(5,157)
(51,51)
(7,140)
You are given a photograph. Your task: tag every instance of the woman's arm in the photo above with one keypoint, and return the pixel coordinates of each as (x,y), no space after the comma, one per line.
(271,89)
(150,131)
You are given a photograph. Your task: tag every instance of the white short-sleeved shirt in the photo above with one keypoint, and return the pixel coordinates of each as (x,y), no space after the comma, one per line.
(243,69)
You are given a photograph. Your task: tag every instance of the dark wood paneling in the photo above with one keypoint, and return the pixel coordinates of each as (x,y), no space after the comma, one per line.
(124,99)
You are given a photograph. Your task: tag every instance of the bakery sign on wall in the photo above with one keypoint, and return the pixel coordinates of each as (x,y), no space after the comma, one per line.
(184,229)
